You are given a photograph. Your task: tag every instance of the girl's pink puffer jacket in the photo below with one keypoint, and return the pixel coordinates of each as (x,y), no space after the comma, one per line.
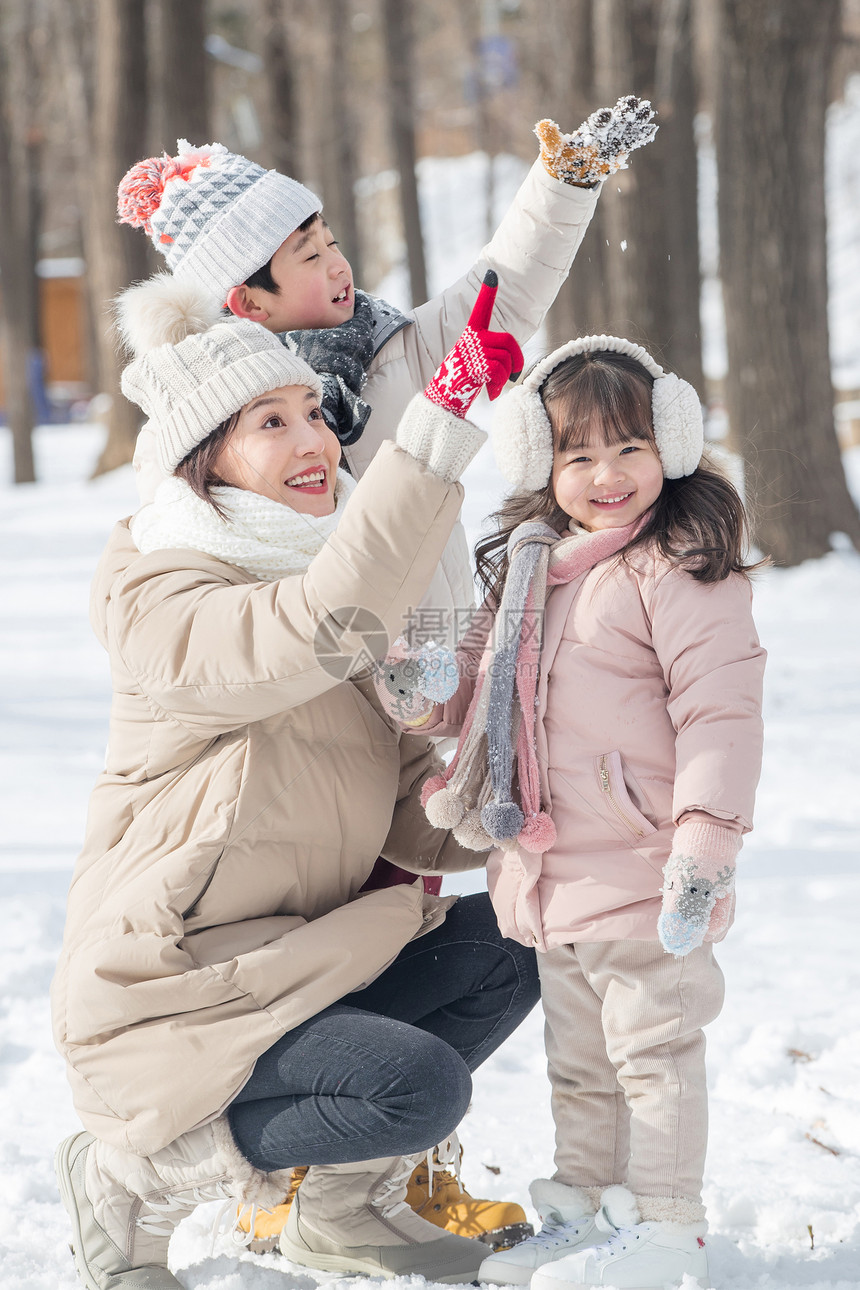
(649,706)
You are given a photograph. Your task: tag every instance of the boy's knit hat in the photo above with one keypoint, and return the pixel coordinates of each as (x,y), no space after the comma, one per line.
(199,378)
(214,215)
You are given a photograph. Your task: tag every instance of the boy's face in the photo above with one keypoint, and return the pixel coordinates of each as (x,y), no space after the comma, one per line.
(314,280)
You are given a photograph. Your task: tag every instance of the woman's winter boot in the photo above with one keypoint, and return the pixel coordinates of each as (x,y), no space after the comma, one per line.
(661,1251)
(261,1230)
(124,1208)
(567,1214)
(435,1192)
(354,1219)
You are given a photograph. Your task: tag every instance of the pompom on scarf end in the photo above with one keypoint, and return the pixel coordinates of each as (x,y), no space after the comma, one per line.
(502,820)
(537,834)
(443,808)
(471,834)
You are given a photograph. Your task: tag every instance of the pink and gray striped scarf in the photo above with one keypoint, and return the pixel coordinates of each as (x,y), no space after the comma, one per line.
(475,796)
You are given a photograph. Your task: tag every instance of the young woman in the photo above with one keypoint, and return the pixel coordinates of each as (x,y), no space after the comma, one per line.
(229,1002)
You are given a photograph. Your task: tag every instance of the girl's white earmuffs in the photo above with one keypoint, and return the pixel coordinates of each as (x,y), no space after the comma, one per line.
(522,434)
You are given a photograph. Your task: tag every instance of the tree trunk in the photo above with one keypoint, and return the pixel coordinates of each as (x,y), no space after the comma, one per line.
(580,308)
(775,61)
(19,223)
(678,280)
(72,28)
(280,114)
(339,173)
(398,44)
(116,253)
(181,90)
(650,220)
(622,255)
(475,24)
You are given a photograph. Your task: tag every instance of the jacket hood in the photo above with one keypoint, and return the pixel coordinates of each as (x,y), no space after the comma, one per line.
(115,559)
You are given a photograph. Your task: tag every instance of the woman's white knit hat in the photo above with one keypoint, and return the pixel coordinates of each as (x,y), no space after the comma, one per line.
(214,215)
(522,433)
(188,380)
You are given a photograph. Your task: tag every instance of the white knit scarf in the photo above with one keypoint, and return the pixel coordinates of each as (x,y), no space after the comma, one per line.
(268,539)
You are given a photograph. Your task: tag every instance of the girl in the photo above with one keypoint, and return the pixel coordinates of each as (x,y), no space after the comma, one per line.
(622,684)
(228,1001)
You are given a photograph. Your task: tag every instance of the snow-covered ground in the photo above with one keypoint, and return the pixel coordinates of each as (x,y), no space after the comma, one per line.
(783,1180)
(783,1177)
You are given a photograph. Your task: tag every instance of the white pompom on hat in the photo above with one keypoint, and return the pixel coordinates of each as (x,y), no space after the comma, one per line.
(522,434)
(163,310)
(188,376)
(214,215)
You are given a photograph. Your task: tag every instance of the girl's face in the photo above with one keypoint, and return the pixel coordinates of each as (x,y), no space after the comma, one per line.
(282,448)
(606,485)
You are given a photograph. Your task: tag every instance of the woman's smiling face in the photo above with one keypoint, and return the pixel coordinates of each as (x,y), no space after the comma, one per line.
(282,449)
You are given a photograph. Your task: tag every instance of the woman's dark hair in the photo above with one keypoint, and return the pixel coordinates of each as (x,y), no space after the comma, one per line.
(262,278)
(198,468)
(698,521)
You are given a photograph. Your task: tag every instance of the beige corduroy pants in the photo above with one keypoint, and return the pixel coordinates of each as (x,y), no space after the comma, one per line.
(626,1060)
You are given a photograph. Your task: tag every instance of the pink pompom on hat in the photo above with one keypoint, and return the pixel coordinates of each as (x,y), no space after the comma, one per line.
(215,216)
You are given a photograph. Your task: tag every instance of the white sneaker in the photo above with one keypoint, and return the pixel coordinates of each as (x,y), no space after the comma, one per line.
(647,1256)
(567,1214)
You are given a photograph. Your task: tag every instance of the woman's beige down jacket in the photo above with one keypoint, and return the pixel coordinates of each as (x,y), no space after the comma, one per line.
(246,795)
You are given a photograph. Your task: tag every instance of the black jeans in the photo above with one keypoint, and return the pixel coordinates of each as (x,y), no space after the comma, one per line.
(387,1071)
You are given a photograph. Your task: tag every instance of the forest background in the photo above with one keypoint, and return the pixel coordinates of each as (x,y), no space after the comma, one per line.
(348,95)
(90,86)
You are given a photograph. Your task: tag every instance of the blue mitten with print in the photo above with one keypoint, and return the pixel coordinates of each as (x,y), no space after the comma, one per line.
(411,680)
(698,885)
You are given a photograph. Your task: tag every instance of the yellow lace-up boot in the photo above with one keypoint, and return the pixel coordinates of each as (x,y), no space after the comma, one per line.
(436,1193)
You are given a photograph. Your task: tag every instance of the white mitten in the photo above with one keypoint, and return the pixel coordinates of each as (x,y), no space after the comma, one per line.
(600,146)
(411,680)
(698,884)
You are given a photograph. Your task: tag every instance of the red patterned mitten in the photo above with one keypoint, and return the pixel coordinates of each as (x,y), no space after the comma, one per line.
(698,886)
(479,358)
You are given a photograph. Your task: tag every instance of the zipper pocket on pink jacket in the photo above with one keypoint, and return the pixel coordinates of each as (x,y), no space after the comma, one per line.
(616,799)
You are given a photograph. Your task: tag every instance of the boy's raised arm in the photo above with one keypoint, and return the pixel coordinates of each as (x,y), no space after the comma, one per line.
(535,245)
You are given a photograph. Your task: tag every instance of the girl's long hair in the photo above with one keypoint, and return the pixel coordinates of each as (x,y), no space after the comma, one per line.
(698,522)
